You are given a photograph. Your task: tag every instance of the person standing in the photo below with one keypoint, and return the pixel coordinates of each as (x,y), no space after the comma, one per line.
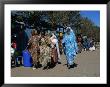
(55,49)
(34,49)
(79,41)
(92,47)
(70,45)
(45,52)
(85,43)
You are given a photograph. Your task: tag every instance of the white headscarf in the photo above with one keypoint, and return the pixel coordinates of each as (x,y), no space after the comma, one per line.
(55,42)
(53,39)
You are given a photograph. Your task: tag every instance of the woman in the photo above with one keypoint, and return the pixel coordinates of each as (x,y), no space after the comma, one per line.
(86,44)
(45,52)
(69,41)
(55,49)
(34,49)
(79,41)
(92,47)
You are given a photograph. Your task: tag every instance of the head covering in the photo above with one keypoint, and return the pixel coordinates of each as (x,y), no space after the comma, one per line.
(70,44)
(68,29)
(53,38)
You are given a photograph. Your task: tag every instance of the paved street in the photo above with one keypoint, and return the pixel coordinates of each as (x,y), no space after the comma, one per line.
(88,66)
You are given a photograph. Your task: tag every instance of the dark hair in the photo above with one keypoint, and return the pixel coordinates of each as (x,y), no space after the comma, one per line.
(34,32)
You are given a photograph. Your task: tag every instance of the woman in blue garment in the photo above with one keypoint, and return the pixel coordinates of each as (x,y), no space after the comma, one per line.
(70,46)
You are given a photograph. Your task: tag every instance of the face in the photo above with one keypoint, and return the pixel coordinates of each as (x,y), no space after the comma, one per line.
(68,32)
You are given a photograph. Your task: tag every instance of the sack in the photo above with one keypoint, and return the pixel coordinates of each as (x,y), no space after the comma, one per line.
(92,48)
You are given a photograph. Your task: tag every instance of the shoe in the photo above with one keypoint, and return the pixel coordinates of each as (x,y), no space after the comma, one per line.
(59,62)
(75,65)
(33,68)
(69,66)
(44,68)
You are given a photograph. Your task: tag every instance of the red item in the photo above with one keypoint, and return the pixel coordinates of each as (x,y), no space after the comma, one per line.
(54,55)
(14,45)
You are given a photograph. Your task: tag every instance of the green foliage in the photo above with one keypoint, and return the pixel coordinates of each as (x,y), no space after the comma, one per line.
(73,18)
(90,29)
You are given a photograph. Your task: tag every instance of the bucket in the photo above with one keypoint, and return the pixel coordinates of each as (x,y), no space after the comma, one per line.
(27,59)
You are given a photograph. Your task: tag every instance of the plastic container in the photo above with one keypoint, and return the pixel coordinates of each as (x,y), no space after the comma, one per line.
(27,59)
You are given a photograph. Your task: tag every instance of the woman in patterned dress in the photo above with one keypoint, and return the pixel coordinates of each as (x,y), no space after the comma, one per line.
(34,48)
(69,41)
(45,51)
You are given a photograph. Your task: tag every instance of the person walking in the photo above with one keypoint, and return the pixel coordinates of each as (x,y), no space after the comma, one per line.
(45,52)
(55,49)
(70,45)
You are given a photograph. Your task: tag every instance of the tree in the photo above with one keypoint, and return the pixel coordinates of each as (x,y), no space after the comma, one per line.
(90,29)
(79,23)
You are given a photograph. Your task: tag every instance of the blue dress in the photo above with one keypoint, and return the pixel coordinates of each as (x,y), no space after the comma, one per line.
(70,47)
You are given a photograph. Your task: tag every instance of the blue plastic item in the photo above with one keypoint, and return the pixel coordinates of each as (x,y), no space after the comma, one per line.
(27,59)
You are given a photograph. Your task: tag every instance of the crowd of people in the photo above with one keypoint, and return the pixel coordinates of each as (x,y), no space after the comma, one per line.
(45,50)
(85,43)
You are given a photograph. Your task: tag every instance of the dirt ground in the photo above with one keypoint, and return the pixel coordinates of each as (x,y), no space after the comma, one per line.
(88,65)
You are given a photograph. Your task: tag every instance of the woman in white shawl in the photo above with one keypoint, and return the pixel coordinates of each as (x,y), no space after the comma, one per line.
(55,47)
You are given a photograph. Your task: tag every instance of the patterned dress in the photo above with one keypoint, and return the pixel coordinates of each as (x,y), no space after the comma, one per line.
(45,52)
(34,49)
(70,47)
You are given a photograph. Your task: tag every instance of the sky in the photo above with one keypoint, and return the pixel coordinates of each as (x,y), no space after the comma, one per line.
(94,16)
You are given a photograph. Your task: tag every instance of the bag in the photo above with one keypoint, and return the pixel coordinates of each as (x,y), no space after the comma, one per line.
(92,48)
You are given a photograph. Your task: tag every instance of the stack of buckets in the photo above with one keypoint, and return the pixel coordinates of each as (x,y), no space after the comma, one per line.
(27,59)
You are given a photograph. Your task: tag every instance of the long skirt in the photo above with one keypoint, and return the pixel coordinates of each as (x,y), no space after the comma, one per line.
(70,58)
(35,56)
(45,56)
(45,61)
(79,47)
(54,55)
